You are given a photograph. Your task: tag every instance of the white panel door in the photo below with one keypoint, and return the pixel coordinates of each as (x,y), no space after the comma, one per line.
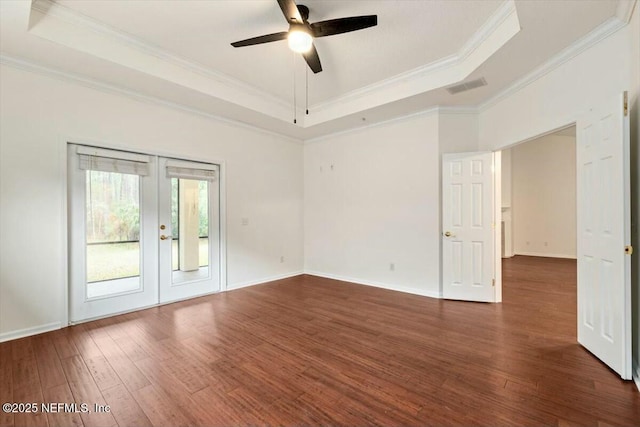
(603,217)
(189,230)
(468,227)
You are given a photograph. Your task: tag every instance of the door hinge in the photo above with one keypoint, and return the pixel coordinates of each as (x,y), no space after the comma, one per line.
(493,282)
(626,104)
(628,250)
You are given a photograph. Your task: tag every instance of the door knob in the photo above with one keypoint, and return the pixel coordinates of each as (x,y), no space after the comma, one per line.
(163,237)
(448,234)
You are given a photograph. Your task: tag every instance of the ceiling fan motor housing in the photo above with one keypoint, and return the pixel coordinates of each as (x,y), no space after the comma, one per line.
(304,12)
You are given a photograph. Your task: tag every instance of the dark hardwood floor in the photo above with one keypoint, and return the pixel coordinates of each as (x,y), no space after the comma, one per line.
(313,351)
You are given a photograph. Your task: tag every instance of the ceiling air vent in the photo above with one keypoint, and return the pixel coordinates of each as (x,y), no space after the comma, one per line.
(463,87)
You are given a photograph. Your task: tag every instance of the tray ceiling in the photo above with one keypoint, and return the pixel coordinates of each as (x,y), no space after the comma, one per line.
(179,52)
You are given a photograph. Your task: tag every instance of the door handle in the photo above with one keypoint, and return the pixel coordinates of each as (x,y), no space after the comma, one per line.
(449,234)
(163,237)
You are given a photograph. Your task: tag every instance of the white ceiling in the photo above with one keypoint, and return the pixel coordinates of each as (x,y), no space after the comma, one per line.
(179,52)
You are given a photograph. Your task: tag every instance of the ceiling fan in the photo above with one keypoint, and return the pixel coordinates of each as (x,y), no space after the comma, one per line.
(301,32)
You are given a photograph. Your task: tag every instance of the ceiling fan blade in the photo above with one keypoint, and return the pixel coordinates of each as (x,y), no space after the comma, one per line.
(290,11)
(261,39)
(343,25)
(313,60)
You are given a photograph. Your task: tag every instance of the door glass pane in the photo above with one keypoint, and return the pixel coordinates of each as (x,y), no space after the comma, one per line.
(112,233)
(190,229)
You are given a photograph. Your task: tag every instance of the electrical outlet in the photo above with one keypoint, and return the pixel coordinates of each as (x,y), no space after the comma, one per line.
(245,221)
(282,258)
(392,266)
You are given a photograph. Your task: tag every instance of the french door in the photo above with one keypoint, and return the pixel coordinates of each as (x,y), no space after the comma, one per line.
(143,230)
(189,229)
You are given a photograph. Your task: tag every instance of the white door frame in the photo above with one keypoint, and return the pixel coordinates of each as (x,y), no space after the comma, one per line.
(63,143)
(497,223)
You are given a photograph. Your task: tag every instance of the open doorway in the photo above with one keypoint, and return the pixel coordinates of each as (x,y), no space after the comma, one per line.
(603,236)
(539,197)
(539,227)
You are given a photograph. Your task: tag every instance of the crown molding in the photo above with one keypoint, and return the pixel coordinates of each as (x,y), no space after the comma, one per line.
(148,58)
(499,29)
(493,23)
(32,67)
(53,9)
(604,30)
(504,11)
(624,13)
(463,110)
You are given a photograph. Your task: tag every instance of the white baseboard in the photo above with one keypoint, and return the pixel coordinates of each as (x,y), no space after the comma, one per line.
(21,333)
(545,255)
(233,287)
(636,374)
(414,291)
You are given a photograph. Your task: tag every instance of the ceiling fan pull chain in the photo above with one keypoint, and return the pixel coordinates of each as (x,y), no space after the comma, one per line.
(307,84)
(295,110)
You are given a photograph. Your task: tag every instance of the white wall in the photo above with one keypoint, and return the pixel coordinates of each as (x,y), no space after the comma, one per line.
(371,198)
(560,96)
(38,114)
(544,197)
(380,204)
(457,132)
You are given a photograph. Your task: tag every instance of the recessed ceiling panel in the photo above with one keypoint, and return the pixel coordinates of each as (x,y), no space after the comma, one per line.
(409,34)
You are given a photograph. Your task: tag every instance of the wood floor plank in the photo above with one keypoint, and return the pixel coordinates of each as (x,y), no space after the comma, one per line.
(102,372)
(22,349)
(25,373)
(159,408)
(131,348)
(6,382)
(86,391)
(126,371)
(26,384)
(30,394)
(62,394)
(79,335)
(163,379)
(227,409)
(63,343)
(315,351)
(124,407)
(48,362)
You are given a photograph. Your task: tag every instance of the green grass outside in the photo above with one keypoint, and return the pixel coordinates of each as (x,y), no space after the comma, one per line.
(117,260)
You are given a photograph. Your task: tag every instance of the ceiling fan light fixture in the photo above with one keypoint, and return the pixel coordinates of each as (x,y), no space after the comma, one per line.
(302,32)
(300,40)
